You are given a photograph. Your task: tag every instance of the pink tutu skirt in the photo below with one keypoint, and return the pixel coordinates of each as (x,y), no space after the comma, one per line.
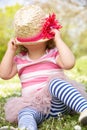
(41,100)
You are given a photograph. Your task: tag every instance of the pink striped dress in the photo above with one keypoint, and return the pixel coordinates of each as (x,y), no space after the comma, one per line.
(34,76)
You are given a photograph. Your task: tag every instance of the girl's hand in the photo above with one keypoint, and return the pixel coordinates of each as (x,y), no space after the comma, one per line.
(65,58)
(12,45)
(57,34)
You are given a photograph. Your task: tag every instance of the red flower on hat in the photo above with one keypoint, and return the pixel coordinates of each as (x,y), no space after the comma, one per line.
(50,23)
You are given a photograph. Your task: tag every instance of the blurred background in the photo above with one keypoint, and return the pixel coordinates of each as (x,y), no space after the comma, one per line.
(72,14)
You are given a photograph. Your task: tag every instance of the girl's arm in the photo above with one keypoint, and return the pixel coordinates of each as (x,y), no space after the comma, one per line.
(65,58)
(8,67)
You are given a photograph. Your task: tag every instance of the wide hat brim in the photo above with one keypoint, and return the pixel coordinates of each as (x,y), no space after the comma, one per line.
(31,43)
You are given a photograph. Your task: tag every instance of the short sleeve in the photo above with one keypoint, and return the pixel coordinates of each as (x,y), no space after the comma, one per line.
(54,53)
(18,58)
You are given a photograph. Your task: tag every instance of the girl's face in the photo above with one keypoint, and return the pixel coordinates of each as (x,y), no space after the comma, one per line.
(35,46)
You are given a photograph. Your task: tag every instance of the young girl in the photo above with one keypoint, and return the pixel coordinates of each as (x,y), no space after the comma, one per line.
(46,91)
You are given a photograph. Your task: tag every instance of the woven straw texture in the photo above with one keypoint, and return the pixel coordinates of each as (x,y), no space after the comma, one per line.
(28,21)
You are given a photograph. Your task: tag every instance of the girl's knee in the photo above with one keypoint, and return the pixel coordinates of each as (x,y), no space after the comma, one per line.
(30,112)
(57,85)
(25,112)
(26,119)
(54,83)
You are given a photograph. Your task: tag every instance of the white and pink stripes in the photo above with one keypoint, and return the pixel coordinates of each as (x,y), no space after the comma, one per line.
(33,73)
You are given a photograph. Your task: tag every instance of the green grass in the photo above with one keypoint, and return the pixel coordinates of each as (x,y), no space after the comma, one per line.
(79,72)
(10,88)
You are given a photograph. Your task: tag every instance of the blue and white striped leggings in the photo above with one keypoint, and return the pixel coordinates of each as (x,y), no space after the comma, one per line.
(64,98)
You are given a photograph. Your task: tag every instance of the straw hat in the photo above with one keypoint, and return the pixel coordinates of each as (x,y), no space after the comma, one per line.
(30,25)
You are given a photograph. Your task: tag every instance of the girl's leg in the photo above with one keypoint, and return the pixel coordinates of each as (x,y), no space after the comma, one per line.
(29,118)
(58,107)
(68,95)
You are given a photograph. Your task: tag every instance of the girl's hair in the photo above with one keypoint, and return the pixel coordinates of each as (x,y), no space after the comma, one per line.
(50,44)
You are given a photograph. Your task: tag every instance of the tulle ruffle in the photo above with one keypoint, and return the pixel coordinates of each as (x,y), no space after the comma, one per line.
(39,101)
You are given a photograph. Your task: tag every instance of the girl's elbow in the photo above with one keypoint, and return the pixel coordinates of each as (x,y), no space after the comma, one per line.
(67,67)
(4,76)
(70,65)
